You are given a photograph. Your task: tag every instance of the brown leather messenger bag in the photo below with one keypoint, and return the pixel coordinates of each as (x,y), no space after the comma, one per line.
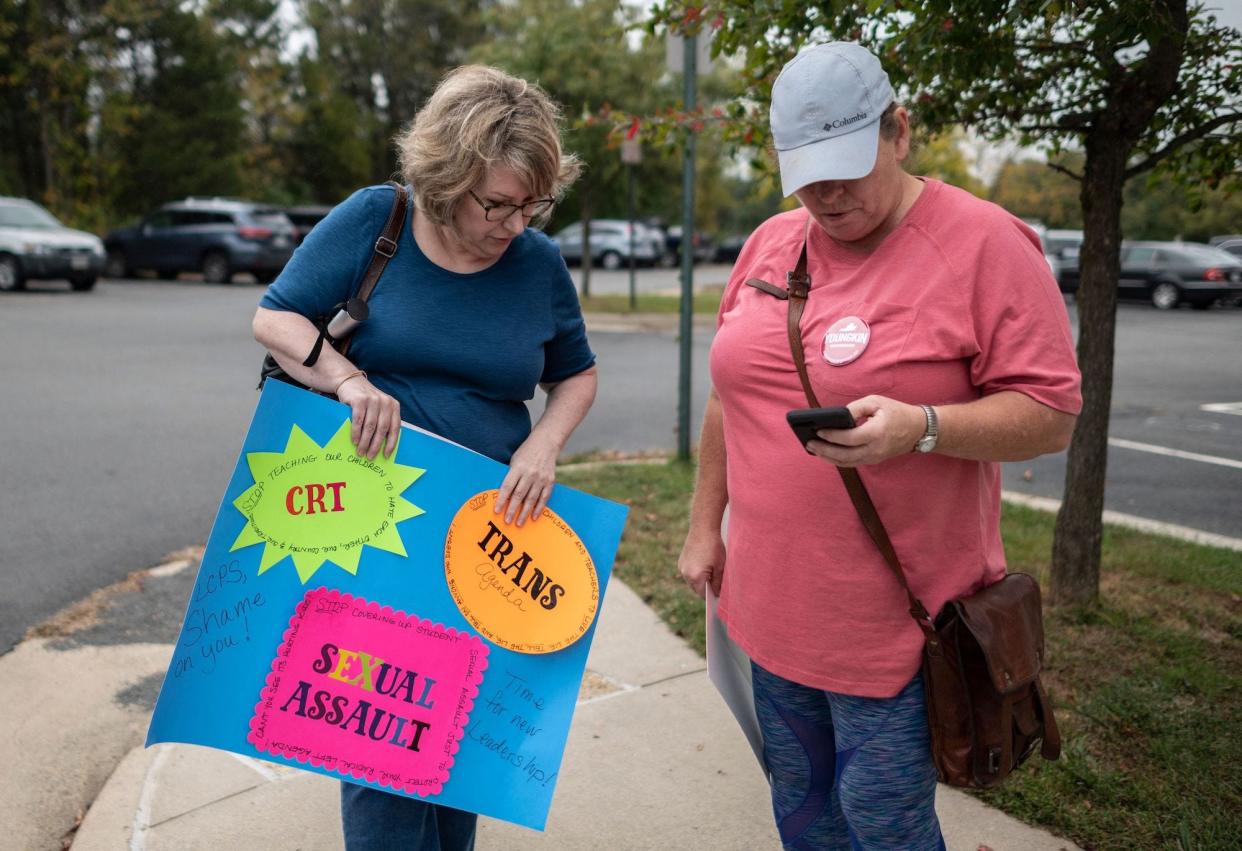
(982,656)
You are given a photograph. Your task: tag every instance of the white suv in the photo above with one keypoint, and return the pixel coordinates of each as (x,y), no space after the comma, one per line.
(34,244)
(610,243)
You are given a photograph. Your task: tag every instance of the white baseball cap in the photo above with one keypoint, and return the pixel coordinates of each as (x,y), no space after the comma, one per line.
(825,118)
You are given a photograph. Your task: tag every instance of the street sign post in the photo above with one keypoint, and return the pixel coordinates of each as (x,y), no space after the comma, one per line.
(631,155)
(690,56)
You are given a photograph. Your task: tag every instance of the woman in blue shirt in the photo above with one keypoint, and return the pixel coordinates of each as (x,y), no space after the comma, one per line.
(472,312)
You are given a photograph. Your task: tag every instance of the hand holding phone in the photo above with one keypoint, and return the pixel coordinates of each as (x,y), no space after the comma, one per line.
(805,422)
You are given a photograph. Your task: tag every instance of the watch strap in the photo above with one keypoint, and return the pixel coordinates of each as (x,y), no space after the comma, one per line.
(931,433)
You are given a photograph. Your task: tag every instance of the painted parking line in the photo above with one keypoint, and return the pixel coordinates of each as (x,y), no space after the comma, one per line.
(1174,453)
(1223,408)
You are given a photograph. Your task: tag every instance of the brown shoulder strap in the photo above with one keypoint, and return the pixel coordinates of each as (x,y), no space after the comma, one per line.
(799,287)
(385,247)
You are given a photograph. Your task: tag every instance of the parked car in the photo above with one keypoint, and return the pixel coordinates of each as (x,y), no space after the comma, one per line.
(1061,250)
(306,217)
(704,246)
(610,243)
(215,236)
(658,229)
(727,250)
(1171,273)
(1230,242)
(35,245)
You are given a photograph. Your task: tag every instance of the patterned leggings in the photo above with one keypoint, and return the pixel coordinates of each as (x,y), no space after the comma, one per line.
(849,773)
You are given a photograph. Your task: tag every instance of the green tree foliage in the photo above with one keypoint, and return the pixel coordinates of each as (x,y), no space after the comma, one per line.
(107,108)
(1163,207)
(385,57)
(588,56)
(255,36)
(329,146)
(47,49)
(1134,86)
(1159,207)
(580,53)
(940,156)
(176,120)
(750,202)
(1032,190)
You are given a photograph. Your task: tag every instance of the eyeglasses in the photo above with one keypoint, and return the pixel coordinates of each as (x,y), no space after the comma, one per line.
(500,212)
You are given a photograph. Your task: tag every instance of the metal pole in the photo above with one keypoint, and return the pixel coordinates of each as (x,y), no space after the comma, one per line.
(586,248)
(687,254)
(630,193)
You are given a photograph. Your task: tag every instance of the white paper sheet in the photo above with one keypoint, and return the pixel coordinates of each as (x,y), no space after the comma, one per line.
(729,670)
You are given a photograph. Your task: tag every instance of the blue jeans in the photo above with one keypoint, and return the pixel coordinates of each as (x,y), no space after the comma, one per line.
(374,820)
(848,773)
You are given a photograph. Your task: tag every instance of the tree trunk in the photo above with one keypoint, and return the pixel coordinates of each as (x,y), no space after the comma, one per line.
(1136,95)
(1075,575)
(48,145)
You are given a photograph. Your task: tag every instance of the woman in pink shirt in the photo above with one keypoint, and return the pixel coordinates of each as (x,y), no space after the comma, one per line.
(933,317)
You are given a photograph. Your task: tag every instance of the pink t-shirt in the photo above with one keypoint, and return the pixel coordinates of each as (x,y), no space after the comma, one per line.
(956,303)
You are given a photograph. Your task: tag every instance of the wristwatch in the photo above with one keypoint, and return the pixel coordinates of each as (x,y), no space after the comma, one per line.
(928,441)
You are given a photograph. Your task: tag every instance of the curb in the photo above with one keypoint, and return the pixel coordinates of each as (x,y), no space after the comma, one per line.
(1129,521)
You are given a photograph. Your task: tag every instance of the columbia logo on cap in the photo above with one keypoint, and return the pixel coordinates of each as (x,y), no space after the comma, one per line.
(845,122)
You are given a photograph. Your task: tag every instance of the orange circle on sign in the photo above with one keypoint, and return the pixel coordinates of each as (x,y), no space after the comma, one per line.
(530,588)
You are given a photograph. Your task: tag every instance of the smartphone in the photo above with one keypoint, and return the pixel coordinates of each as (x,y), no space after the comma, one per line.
(806,421)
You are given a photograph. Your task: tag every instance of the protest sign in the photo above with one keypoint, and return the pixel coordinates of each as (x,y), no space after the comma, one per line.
(375,620)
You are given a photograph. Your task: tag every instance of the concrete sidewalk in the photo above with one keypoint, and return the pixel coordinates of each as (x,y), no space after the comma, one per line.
(654,761)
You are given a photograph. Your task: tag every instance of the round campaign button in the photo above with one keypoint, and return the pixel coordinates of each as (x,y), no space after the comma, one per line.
(530,588)
(845,340)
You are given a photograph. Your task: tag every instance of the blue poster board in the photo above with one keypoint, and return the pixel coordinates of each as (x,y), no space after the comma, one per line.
(250,593)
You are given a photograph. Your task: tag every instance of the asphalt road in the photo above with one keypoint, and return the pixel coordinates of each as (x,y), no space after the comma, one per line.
(1168,366)
(123,411)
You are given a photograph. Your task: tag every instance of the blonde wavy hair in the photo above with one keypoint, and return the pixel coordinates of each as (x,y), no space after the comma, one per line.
(479,118)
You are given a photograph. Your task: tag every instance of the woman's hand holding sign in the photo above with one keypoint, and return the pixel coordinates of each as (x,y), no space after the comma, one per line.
(528,484)
(376,416)
(532,469)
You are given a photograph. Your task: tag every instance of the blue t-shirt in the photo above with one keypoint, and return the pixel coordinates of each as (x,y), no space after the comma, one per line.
(461,353)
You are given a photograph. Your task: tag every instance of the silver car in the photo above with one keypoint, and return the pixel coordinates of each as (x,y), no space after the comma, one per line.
(610,243)
(35,245)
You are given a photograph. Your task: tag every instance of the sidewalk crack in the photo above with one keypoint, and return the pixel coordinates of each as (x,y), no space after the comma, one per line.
(205,805)
(674,677)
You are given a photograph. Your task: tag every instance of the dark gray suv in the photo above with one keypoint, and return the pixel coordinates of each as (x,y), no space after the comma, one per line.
(215,236)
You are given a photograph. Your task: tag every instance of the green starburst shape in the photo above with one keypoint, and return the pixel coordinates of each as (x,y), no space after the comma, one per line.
(316,503)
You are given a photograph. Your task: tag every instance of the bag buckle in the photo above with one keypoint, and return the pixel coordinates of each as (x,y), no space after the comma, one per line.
(994,760)
(385,246)
(798,285)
